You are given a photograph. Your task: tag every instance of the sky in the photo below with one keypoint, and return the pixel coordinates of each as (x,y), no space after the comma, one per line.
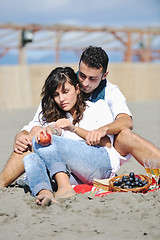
(97,13)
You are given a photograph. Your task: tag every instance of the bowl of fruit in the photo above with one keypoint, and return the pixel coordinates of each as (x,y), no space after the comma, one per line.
(130,182)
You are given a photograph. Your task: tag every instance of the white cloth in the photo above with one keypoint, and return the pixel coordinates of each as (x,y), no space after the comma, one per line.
(116,100)
(93,118)
(113,97)
(116,159)
(35,121)
(96,115)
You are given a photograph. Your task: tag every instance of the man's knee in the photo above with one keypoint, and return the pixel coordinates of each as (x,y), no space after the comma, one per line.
(122,137)
(122,141)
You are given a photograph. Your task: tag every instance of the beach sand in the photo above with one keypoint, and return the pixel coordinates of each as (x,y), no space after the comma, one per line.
(115,216)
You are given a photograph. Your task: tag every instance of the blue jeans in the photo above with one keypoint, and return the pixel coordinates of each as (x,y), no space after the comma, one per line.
(84,162)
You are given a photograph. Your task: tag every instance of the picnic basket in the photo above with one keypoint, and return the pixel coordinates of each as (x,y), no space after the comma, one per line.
(135,190)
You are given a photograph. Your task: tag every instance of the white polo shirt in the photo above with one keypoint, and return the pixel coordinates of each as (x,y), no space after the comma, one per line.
(116,100)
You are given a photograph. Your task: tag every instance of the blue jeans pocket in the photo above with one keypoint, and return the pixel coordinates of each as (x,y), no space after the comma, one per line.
(100,173)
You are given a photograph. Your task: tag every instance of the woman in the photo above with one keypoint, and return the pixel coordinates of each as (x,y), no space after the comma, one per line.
(68,159)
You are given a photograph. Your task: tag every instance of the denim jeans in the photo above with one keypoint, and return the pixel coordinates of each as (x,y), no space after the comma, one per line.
(84,162)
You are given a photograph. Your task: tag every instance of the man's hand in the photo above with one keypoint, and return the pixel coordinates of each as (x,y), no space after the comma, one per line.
(22,142)
(94,137)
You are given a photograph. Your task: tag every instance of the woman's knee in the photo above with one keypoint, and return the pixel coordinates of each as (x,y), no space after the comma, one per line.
(37,148)
(29,159)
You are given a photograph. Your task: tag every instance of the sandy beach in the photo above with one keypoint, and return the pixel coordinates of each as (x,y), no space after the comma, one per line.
(115,216)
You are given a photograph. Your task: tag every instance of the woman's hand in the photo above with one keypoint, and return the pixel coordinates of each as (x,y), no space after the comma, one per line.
(65,124)
(35,132)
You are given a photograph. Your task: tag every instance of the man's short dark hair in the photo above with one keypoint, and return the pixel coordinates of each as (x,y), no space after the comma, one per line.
(95,57)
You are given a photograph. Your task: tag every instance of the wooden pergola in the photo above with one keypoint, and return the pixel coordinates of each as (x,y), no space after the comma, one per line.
(144,44)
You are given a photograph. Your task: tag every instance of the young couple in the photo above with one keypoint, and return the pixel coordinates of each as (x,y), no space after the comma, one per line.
(92,76)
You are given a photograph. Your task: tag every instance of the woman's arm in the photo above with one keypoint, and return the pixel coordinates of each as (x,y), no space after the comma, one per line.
(67,125)
(35,131)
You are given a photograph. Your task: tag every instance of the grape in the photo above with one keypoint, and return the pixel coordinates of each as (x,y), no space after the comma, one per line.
(131,174)
(131,180)
(144,182)
(124,179)
(136,183)
(128,183)
(120,181)
(115,183)
(133,184)
(136,179)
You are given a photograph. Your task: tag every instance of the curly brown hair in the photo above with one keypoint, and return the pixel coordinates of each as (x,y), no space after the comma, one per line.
(50,110)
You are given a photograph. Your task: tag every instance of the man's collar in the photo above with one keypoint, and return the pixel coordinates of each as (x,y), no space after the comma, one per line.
(99,92)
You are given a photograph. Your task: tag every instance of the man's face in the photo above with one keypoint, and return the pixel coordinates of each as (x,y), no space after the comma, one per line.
(89,78)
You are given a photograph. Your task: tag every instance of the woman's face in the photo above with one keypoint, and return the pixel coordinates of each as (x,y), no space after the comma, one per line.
(66,97)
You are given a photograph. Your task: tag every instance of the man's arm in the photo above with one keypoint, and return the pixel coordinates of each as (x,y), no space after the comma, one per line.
(122,121)
(22,140)
(122,117)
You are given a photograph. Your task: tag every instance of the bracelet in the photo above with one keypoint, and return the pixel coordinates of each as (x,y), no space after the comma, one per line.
(54,131)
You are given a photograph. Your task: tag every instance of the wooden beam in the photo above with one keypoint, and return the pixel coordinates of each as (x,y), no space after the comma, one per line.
(131,36)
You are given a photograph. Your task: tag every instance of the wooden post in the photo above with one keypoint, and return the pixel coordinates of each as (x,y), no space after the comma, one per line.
(148,56)
(128,52)
(22,51)
(22,56)
(57,49)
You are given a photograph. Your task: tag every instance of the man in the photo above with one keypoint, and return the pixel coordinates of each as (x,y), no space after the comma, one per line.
(92,76)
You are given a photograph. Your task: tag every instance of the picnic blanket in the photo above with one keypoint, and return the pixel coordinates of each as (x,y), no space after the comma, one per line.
(98,192)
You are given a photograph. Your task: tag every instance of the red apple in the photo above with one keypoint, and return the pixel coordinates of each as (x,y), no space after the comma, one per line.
(45,140)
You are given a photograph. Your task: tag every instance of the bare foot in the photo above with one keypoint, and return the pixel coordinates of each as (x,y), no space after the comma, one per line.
(64,192)
(45,198)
